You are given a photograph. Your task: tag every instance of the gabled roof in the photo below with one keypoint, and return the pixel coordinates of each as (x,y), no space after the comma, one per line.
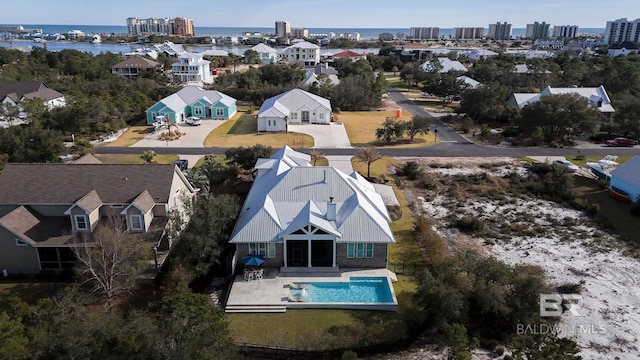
(19,88)
(596,96)
(86,159)
(292,100)
(288,194)
(44,94)
(37,230)
(629,172)
(214,52)
(304,45)
(262,48)
(90,202)
(469,81)
(136,62)
(188,95)
(143,202)
(349,54)
(446,65)
(66,183)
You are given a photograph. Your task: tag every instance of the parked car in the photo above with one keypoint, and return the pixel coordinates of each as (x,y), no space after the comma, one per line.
(182,164)
(566,165)
(620,141)
(193,121)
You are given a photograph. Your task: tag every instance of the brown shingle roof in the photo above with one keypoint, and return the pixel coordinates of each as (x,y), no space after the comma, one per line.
(20,87)
(44,94)
(144,202)
(86,159)
(136,62)
(37,230)
(67,183)
(91,201)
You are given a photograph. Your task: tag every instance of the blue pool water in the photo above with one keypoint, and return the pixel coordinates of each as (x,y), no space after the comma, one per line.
(357,290)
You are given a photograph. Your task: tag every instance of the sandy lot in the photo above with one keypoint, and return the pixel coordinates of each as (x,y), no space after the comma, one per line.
(575,251)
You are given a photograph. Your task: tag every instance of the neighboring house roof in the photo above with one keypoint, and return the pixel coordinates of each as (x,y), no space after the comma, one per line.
(628,172)
(349,54)
(289,193)
(282,105)
(311,77)
(170,48)
(524,69)
(323,69)
(262,48)
(304,45)
(629,45)
(136,62)
(596,96)
(446,65)
(86,159)
(192,93)
(471,83)
(68,183)
(17,90)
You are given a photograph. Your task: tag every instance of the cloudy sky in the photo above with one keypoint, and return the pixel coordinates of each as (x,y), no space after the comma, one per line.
(321,13)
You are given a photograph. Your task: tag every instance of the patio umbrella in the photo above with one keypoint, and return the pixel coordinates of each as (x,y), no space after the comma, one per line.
(253,260)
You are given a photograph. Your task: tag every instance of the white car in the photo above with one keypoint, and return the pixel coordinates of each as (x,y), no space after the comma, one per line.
(566,165)
(193,121)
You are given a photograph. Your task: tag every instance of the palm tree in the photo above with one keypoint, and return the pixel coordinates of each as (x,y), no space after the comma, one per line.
(199,179)
(368,155)
(148,156)
(317,156)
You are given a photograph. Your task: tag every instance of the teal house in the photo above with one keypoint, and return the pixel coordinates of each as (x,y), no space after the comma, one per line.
(193,101)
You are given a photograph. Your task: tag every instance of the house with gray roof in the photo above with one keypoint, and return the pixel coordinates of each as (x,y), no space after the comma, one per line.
(14,92)
(595,96)
(302,216)
(268,55)
(54,207)
(193,101)
(294,106)
(623,49)
(443,65)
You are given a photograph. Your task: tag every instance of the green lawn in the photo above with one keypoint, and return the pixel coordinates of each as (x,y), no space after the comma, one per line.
(361,128)
(132,136)
(27,291)
(135,159)
(241,130)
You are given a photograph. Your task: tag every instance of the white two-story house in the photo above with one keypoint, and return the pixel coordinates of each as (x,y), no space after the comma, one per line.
(192,67)
(304,52)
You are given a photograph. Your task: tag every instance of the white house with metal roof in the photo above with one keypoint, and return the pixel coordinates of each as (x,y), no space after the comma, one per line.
(443,65)
(302,216)
(293,107)
(268,55)
(303,52)
(596,97)
(192,67)
(193,101)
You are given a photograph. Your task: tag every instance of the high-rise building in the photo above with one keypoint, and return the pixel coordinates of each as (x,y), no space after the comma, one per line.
(565,31)
(468,33)
(537,31)
(283,29)
(499,31)
(183,27)
(622,30)
(299,33)
(425,33)
(160,26)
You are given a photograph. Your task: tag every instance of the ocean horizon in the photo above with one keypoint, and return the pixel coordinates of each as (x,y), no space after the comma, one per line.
(365,33)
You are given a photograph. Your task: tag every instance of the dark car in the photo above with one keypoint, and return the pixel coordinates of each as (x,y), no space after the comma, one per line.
(182,164)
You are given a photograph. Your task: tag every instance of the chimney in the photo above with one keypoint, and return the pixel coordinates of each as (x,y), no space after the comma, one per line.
(331,210)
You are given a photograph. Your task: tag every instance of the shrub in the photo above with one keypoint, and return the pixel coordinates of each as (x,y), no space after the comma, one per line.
(469,225)
(592,209)
(411,170)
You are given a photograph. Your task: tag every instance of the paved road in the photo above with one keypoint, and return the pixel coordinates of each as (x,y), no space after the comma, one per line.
(445,133)
(452,145)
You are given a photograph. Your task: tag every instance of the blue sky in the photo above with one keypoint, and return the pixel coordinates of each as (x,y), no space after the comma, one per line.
(322,13)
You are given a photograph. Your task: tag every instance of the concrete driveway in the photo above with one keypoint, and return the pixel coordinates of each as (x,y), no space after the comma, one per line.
(333,135)
(194,136)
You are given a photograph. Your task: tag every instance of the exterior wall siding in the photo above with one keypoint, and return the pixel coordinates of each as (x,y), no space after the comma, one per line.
(379,259)
(277,262)
(17,259)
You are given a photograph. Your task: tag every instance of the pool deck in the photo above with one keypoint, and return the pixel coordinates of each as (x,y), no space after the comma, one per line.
(271,294)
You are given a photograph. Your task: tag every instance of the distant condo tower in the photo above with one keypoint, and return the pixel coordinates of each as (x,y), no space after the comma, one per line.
(499,31)
(468,33)
(622,30)
(160,26)
(425,33)
(283,29)
(565,31)
(537,31)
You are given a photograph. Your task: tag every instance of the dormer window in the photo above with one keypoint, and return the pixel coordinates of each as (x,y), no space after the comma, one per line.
(136,222)
(80,222)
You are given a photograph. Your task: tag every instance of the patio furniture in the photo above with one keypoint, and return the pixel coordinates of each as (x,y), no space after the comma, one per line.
(248,275)
(258,274)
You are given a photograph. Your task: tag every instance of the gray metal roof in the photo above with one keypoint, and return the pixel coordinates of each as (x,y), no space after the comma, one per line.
(289,193)
(281,105)
(629,172)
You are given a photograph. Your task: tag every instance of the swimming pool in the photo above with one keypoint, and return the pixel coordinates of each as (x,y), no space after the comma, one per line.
(360,289)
